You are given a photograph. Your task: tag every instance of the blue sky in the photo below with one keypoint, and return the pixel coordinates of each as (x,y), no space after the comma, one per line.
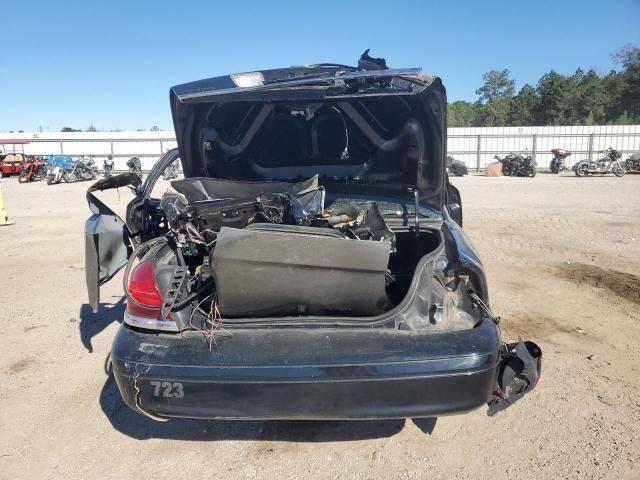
(111,63)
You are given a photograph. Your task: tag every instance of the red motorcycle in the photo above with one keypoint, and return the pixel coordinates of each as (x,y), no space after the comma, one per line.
(32,169)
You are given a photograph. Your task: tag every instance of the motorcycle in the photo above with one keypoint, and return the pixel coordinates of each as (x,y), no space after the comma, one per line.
(632,164)
(516,164)
(135,166)
(82,169)
(171,171)
(32,169)
(454,167)
(608,163)
(107,166)
(56,166)
(558,164)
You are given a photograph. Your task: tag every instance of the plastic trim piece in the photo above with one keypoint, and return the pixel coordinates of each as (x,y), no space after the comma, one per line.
(150,323)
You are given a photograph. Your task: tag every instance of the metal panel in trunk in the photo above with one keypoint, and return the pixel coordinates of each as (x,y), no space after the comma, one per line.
(289,270)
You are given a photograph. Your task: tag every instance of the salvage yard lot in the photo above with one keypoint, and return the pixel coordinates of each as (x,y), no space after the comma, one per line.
(563,261)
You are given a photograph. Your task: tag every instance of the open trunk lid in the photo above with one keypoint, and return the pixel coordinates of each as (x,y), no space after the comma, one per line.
(376,131)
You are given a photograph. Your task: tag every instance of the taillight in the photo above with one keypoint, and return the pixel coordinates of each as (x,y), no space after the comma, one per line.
(142,285)
(143,306)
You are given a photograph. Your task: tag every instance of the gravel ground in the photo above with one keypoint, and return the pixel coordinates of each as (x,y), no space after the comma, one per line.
(563,264)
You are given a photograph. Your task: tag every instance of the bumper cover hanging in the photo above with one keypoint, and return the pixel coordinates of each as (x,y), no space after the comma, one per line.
(518,374)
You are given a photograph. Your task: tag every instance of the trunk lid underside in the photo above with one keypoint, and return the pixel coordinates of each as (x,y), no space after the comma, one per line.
(361,132)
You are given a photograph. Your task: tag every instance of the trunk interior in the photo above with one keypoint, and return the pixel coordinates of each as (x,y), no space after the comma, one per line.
(304,208)
(289,250)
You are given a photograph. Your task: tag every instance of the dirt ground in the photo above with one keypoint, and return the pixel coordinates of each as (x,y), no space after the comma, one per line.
(563,262)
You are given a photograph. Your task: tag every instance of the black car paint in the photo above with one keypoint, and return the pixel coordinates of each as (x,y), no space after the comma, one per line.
(424,173)
(314,369)
(309,373)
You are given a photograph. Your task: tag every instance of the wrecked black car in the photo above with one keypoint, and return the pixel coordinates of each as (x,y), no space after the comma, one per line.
(310,265)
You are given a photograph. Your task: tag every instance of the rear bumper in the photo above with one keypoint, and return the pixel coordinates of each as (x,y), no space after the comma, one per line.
(307,373)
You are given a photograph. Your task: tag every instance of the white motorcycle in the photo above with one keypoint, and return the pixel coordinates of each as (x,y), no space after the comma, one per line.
(608,163)
(54,174)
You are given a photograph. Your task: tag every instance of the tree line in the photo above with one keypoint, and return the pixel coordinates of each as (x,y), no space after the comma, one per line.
(584,98)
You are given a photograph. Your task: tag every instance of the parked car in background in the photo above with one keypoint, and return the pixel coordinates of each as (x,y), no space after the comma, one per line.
(315,245)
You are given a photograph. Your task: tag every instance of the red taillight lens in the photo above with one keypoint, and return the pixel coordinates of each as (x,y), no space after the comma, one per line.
(146,312)
(142,285)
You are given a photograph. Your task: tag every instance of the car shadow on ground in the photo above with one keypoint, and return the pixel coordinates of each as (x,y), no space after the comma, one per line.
(91,324)
(136,426)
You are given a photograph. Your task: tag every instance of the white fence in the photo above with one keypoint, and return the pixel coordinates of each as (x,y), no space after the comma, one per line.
(149,146)
(475,146)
